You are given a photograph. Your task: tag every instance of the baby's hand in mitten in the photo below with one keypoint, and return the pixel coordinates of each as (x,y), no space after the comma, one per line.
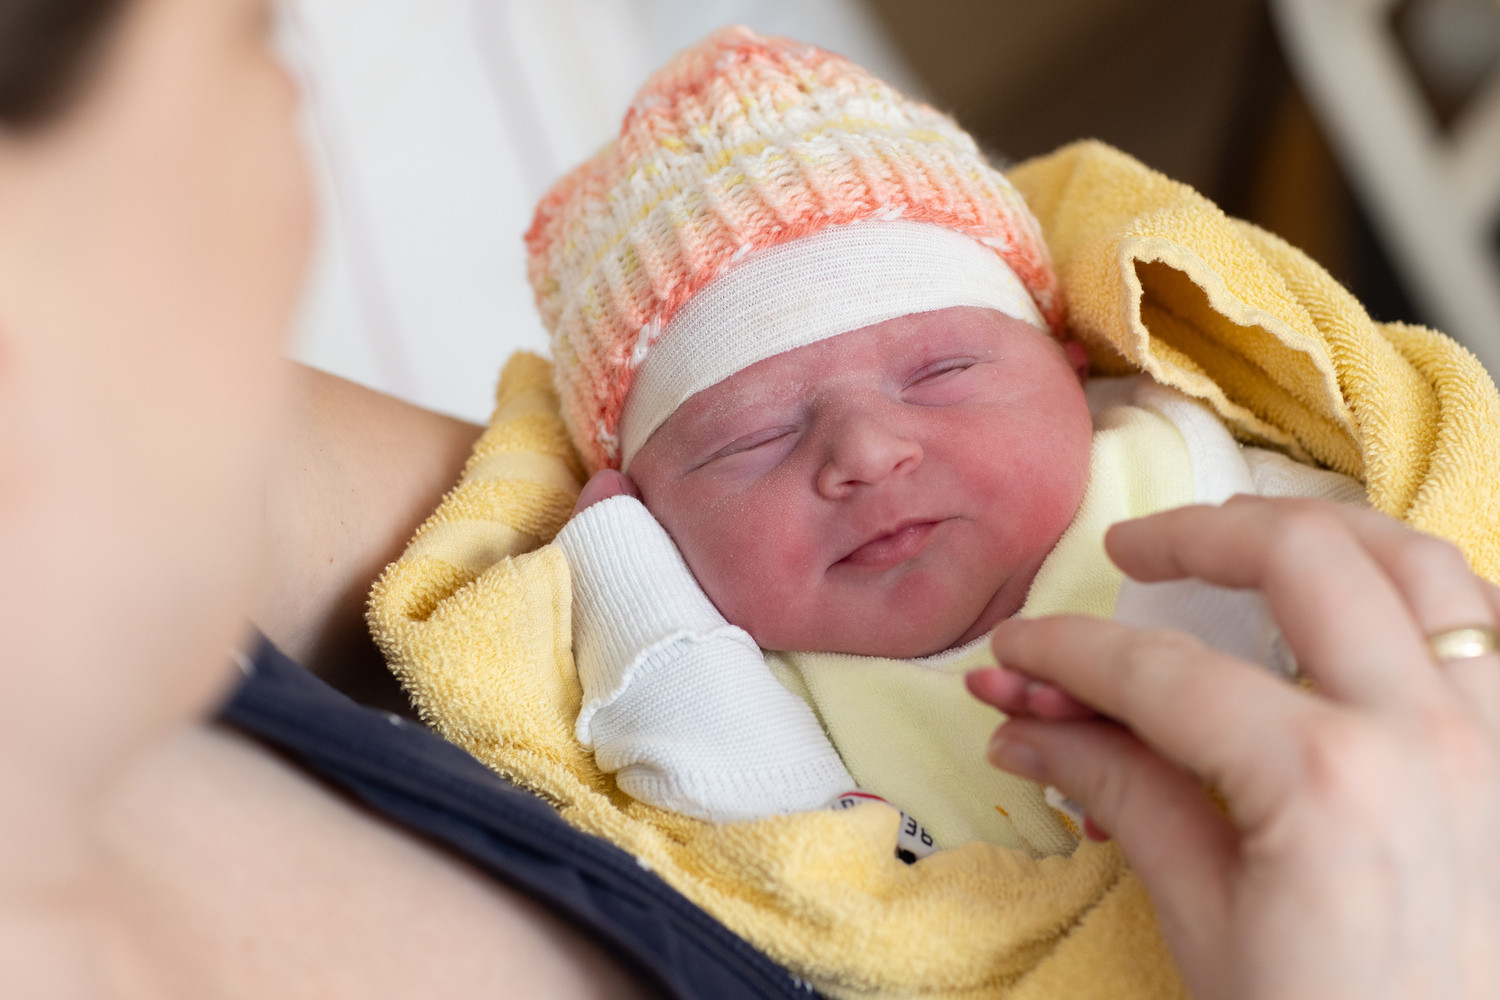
(602,485)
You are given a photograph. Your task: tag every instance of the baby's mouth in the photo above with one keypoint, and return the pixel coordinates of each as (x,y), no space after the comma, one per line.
(892,548)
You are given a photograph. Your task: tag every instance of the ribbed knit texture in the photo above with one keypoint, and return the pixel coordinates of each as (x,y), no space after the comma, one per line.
(741,143)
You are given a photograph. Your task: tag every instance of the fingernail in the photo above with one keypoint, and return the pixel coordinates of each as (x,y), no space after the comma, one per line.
(1017,758)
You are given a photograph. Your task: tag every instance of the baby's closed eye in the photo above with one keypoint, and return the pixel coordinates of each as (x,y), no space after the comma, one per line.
(942,382)
(763,446)
(755,439)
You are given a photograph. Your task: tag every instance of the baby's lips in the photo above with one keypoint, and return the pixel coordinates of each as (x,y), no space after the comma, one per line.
(892,548)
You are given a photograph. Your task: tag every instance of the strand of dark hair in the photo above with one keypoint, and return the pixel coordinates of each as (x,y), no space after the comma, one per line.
(47,48)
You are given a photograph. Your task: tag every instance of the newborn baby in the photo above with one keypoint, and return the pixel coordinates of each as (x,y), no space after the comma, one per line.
(812,344)
(890,491)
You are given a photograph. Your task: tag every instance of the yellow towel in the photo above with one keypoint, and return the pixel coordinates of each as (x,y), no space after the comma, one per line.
(1158,279)
(475,619)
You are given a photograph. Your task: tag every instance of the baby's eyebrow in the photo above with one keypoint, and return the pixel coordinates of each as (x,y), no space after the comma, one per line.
(734,416)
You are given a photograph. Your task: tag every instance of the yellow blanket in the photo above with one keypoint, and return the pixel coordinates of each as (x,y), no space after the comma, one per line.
(474,617)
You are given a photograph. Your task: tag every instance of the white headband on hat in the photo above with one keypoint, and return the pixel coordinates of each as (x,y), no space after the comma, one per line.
(797,293)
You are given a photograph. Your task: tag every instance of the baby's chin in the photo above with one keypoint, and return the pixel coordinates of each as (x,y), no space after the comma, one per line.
(891,640)
(926,620)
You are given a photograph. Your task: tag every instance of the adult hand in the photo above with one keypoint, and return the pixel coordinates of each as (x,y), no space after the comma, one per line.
(602,485)
(1360,853)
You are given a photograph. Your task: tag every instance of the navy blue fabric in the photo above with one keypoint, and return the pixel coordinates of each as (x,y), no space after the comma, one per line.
(419,781)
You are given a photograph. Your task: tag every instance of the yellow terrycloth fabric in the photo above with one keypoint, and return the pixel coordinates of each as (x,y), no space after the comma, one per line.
(475,617)
(1158,279)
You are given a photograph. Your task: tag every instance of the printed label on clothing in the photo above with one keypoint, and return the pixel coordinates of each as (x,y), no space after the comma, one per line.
(912,841)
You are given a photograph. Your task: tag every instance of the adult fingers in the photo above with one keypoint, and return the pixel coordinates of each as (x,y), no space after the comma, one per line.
(1351,627)
(1207,712)
(1020,696)
(1443,594)
(1430,572)
(1434,580)
(1478,678)
(1184,850)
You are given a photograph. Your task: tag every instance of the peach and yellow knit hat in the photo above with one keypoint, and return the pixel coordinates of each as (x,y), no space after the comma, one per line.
(762,194)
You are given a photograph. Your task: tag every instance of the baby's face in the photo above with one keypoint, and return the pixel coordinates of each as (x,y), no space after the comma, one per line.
(890,491)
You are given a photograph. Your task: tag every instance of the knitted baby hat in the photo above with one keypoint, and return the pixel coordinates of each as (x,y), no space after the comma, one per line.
(751,149)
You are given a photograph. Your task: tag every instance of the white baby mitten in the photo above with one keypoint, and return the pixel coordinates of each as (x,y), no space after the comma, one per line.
(678,703)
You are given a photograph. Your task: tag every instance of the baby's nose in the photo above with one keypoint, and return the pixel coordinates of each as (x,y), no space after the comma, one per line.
(864,451)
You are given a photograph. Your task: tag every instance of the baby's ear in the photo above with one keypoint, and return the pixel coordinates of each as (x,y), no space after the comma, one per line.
(1078,357)
(602,485)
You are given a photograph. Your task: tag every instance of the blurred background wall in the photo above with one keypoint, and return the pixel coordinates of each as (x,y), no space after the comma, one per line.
(435,126)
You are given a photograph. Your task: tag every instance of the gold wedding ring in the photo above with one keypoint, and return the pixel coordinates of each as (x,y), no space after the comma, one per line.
(1462,643)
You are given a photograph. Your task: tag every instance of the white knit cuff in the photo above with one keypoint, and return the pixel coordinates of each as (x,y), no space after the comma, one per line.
(677,703)
(632,592)
(703,728)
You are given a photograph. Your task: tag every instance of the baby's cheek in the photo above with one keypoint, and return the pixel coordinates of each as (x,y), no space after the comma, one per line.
(763,591)
(726,564)
(757,557)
